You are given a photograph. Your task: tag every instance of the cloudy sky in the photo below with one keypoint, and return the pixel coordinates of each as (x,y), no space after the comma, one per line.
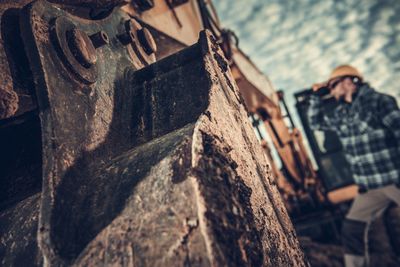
(298,42)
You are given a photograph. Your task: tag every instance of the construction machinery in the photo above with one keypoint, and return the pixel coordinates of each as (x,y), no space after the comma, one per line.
(125,140)
(158,29)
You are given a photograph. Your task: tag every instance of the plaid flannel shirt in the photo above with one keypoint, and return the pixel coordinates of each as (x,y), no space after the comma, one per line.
(369,130)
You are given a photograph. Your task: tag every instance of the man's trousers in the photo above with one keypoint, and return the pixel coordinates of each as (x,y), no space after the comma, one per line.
(365,209)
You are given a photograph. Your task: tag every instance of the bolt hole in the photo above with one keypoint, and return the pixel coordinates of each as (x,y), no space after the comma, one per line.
(104,36)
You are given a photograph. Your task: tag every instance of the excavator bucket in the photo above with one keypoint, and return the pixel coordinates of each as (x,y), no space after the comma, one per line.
(144,163)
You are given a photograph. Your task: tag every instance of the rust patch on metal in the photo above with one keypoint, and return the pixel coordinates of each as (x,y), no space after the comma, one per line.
(228,206)
(41,27)
(183,162)
(15,73)
(8,103)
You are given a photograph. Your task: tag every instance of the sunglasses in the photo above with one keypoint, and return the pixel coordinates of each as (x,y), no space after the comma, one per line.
(331,85)
(325,90)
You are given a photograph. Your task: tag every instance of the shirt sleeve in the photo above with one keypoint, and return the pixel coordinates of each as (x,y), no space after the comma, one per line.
(390,114)
(316,115)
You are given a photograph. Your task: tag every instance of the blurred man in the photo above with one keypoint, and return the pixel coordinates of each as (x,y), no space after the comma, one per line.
(368,125)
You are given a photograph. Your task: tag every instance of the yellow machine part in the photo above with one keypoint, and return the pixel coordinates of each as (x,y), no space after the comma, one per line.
(183,23)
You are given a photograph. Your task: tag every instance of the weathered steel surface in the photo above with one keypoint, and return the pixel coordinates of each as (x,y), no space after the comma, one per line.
(181,21)
(166,45)
(81,124)
(16,87)
(200,195)
(150,167)
(18,232)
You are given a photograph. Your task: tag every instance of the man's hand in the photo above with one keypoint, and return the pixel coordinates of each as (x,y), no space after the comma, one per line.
(320,89)
(318,86)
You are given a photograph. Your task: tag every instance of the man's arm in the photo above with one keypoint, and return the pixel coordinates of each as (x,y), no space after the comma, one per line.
(390,114)
(316,116)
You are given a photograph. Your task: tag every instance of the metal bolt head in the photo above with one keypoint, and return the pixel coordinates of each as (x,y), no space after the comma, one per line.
(99,39)
(147,41)
(126,38)
(131,28)
(82,47)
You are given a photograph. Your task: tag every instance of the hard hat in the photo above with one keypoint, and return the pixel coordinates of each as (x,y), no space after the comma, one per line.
(344,70)
(340,71)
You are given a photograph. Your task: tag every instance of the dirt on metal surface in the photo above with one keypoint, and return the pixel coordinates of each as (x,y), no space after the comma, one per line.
(224,190)
(18,233)
(209,201)
(164,169)
(8,103)
(16,87)
(146,166)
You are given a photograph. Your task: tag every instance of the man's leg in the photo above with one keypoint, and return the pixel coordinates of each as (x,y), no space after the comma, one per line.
(354,260)
(353,241)
(365,208)
(393,192)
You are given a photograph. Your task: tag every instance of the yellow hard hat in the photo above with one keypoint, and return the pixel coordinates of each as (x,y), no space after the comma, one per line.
(344,70)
